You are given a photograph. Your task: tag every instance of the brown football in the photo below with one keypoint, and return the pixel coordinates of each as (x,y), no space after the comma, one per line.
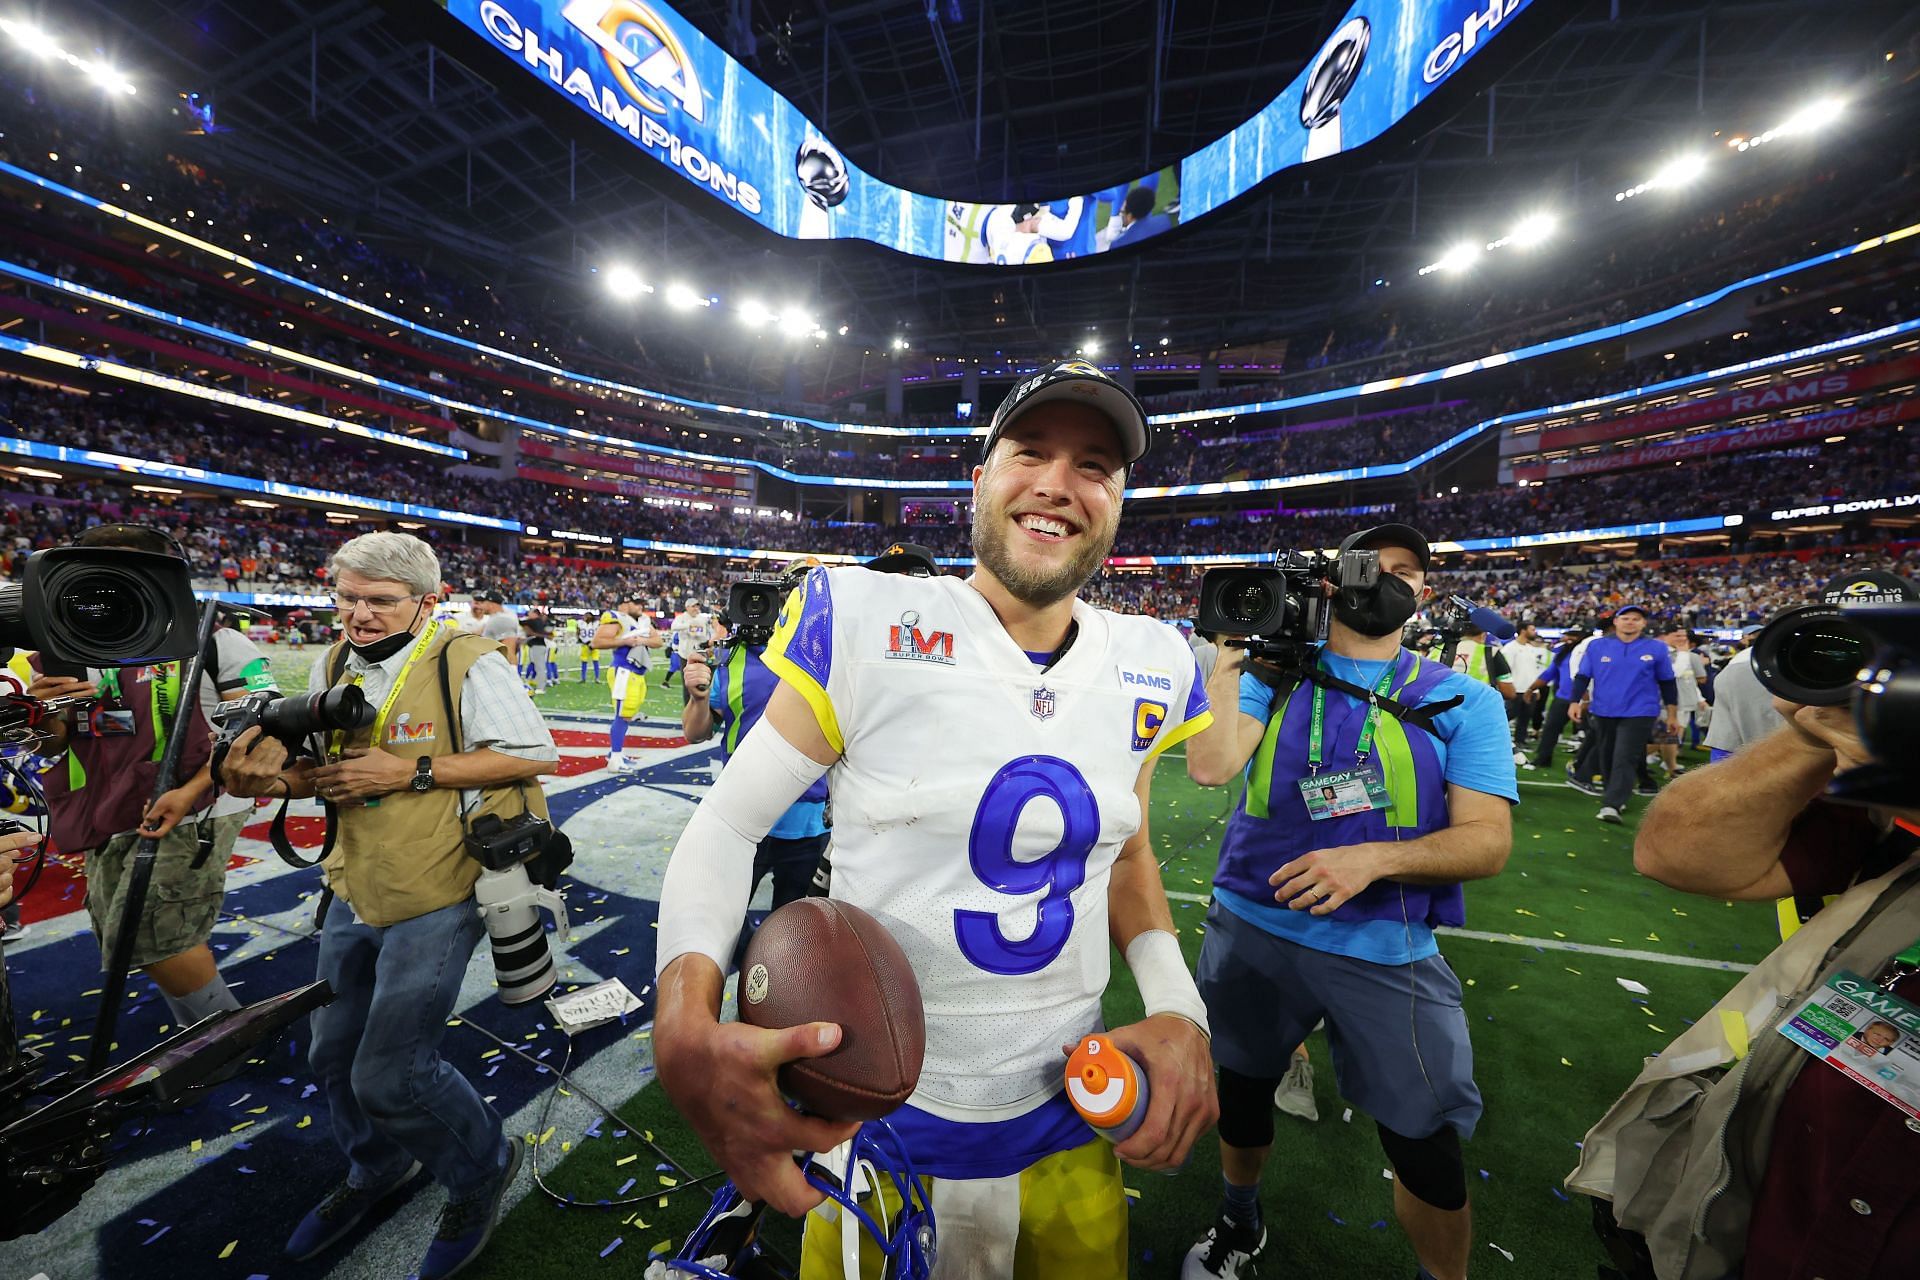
(817,960)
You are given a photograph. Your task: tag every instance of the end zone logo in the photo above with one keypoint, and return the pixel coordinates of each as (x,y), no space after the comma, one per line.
(639,45)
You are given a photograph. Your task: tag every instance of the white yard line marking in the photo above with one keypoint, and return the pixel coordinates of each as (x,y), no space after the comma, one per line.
(1551,944)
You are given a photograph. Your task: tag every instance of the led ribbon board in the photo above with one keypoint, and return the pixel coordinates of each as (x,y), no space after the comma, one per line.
(647,73)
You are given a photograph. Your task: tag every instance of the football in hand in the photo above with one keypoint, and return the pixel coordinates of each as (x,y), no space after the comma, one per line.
(817,960)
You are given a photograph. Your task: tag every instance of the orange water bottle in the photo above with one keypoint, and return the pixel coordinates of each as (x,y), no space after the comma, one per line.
(1107,1088)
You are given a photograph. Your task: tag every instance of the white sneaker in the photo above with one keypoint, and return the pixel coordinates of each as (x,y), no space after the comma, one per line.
(15,933)
(1295,1094)
(617,763)
(1608,814)
(1519,757)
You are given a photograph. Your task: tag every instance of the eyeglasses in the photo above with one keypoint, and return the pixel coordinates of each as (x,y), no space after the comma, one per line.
(347,602)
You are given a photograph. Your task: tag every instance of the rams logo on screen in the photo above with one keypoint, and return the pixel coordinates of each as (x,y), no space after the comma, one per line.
(1148,716)
(642,53)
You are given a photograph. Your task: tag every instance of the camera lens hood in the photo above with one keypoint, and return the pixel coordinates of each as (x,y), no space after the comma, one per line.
(1811,654)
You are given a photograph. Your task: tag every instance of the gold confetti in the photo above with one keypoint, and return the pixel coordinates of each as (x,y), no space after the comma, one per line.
(1565,1063)
(231,1246)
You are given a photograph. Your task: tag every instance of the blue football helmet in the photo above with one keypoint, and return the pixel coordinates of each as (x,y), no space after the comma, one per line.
(726,1244)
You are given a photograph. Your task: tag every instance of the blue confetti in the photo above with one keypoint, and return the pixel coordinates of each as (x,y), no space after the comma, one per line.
(626,1187)
(1338,1222)
(610,1248)
(156,1235)
(1558,1194)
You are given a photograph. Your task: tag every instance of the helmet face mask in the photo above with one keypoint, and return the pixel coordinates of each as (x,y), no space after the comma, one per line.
(821,172)
(725,1245)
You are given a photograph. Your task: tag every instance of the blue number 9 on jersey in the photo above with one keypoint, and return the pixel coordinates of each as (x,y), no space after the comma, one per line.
(990,851)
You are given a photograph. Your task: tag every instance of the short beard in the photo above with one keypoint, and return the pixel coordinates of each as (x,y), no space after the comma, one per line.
(1043,588)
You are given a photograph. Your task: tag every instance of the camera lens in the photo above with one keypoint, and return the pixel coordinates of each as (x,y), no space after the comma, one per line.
(1826,656)
(1247,602)
(1810,654)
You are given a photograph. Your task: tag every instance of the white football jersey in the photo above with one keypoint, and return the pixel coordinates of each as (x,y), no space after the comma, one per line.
(691,633)
(979,805)
(632,657)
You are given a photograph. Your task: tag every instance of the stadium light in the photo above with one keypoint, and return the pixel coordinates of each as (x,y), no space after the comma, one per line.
(625,282)
(29,37)
(797,324)
(1459,258)
(1681,170)
(756,315)
(681,297)
(1532,230)
(1091,349)
(899,344)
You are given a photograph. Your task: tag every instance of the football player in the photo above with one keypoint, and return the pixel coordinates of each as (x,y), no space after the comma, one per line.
(989,743)
(623,630)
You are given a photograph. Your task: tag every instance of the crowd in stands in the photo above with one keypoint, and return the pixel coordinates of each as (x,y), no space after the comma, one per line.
(1427,325)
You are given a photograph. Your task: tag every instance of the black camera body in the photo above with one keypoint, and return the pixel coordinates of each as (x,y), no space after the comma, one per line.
(753,607)
(1285,607)
(293,721)
(498,843)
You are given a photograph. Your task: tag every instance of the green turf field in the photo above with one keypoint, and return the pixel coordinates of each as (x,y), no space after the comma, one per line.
(1556,1039)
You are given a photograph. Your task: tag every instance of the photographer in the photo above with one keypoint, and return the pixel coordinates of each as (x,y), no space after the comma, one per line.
(98,800)
(402,923)
(1737,1153)
(1326,910)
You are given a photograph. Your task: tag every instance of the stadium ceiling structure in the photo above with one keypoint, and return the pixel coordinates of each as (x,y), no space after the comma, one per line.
(392,114)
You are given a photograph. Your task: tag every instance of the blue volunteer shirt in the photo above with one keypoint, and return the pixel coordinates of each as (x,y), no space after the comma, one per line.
(1626,675)
(739,694)
(1474,751)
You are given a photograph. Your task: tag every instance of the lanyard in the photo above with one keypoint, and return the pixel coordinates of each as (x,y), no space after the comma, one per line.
(393,694)
(163,691)
(1364,747)
(1904,965)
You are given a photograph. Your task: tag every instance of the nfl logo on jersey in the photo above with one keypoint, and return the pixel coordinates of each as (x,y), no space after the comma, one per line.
(1045,701)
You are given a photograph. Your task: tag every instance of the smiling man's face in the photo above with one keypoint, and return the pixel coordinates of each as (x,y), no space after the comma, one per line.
(1047,501)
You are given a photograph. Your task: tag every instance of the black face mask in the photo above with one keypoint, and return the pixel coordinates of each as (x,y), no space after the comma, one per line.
(1379,610)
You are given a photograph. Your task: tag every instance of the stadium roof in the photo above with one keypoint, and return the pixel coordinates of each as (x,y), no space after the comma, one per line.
(399,106)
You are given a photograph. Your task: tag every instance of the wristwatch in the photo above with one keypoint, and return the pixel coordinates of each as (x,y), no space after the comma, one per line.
(422,774)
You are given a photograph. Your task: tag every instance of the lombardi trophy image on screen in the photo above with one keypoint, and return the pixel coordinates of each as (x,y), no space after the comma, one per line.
(1330,79)
(822,174)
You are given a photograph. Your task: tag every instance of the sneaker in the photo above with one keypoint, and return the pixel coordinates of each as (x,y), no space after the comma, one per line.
(466,1225)
(1228,1251)
(15,933)
(1528,765)
(1646,789)
(1609,814)
(1295,1094)
(1519,757)
(339,1213)
(1591,786)
(616,763)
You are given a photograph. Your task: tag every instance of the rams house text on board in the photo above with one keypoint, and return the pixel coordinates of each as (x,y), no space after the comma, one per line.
(612,106)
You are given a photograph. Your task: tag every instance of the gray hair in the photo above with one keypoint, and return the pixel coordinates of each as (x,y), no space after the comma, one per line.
(390,557)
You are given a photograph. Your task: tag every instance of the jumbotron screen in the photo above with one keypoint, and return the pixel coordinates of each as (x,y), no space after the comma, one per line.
(650,75)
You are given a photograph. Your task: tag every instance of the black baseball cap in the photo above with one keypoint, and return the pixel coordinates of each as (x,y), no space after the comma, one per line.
(1392,535)
(906,557)
(1078,381)
(491,597)
(1869,586)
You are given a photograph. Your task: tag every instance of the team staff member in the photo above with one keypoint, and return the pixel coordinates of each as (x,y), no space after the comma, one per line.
(402,924)
(729,701)
(97,801)
(1327,910)
(1526,658)
(623,629)
(541,668)
(1632,685)
(1001,690)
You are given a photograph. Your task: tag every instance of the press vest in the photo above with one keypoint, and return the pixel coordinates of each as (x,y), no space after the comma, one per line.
(108,780)
(1270,826)
(405,855)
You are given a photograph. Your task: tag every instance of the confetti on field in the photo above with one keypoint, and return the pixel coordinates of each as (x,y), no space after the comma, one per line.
(231,1246)
(617,1240)
(626,1187)
(624,1160)
(1565,1063)
(1502,1252)
(1633,986)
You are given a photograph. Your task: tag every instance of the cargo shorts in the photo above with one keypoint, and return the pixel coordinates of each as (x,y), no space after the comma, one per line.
(182,901)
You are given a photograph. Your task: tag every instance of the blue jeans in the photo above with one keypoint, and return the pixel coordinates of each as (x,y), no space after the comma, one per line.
(393,1099)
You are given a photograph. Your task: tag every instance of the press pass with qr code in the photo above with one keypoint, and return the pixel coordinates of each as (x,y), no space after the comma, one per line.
(1864,1033)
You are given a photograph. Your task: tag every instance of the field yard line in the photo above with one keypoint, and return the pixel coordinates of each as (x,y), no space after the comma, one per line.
(1552,944)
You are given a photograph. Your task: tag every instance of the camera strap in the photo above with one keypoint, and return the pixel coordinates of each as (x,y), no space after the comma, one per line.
(1420,717)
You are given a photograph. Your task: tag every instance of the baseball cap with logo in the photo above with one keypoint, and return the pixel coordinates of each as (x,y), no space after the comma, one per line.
(1869,586)
(1392,535)
(909,558)
(1078,381)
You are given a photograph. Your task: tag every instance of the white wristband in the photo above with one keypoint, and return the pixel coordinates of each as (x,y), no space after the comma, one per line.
(1166,985)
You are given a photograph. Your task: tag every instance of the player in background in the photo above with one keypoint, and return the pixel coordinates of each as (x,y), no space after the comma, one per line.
(1015,234)
(964,239)
(586,629)
(989,744)
(676,635)
(624,629)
